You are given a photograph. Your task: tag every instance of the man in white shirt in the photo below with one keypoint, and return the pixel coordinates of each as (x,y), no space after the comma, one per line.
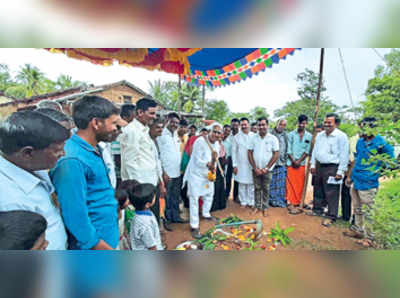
(263,153)
(235,124)
(138,160)
(202,161)
(107,154)
(30,144)
(170,156)
(329,161)
(155,131)
(241,165)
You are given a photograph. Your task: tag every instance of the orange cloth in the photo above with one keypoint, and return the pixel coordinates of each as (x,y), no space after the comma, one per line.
(294,184)
(162,207)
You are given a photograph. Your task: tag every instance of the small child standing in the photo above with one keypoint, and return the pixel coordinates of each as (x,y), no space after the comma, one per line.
(144,233)
(123,203)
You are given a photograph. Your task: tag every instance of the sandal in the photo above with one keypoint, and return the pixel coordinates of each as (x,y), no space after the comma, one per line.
(353,234)
(307,207)
(295,211)
(367,243)
(327,222)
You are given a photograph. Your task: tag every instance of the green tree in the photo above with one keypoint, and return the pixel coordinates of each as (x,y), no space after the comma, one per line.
(32,79)
(307,91)
(217,110)
(5,77)
(16,90)
(383,91)
(258,112)
(164,92)
(191,98)
(167,93)
(65,82)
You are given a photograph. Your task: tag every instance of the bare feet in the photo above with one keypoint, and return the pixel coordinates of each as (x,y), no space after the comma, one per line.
(367,243)
(254,211)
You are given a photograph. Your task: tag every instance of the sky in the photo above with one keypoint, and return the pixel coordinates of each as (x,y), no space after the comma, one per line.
(270,89)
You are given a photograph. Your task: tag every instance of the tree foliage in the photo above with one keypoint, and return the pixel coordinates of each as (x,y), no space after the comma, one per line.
(33,80)
(5,77)
(383,91)
(167,93)
(65,82)
(258,112)
(307,92)
(30,81)
(217,110)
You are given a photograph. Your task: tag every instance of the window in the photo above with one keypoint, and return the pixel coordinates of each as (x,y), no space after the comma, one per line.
(127,99)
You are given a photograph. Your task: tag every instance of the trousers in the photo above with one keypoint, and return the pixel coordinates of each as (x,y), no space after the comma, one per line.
(246,194)
(326,194)
(261,190)
(172,199)
(194,209)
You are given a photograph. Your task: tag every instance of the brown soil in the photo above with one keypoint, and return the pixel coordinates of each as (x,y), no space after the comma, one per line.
(309,234)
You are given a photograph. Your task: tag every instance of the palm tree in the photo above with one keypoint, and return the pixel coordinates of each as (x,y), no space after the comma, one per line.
(32,79)
(66,82)
(191,98)
(5,78)
(164,92)
(167,94)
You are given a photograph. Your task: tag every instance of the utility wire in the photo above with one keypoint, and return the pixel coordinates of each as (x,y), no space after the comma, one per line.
(346,79)
(379,55)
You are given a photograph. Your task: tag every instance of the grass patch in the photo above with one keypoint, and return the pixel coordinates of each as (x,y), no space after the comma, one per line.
(383,219)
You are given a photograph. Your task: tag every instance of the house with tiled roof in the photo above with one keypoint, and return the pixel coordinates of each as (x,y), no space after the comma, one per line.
(120,92)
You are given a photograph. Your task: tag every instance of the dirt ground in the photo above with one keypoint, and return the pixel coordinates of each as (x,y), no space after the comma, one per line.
(309,234)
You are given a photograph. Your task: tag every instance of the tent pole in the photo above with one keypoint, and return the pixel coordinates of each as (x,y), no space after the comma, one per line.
(204,99)
(179,95)
(321,69)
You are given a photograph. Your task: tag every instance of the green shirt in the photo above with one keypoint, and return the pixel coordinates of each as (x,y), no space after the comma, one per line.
(298,146)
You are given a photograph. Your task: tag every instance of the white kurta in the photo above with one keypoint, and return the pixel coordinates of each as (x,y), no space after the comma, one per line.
(196,174)
(240,159)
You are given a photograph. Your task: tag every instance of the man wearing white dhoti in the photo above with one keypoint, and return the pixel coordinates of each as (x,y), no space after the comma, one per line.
(202,161)
(241,166)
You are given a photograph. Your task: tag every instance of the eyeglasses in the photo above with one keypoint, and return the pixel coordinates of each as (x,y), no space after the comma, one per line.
(217,132)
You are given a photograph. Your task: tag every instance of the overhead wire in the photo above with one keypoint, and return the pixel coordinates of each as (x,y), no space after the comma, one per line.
(379,55)
(345,78)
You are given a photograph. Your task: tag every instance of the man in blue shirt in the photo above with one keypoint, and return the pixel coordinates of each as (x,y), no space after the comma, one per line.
(365,179)
(84,191)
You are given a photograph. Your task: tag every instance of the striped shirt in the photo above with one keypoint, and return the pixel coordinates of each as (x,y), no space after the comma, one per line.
(144,231)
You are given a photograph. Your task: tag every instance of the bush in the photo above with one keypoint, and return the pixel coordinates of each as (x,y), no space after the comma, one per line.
(383,220)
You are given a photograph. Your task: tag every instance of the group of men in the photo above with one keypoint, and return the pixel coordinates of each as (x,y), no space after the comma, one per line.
(69,175)
(269,168)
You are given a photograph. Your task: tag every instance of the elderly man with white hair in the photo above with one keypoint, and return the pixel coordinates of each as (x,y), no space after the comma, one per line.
(49,104)
(200,177)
